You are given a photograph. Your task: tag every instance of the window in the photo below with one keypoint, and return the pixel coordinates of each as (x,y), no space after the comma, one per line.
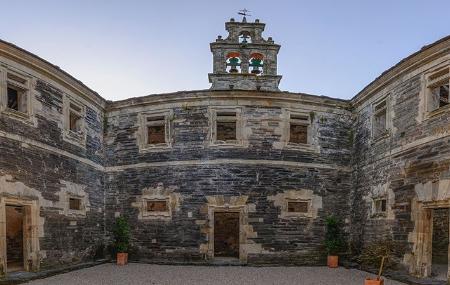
(74,121)
(157,206)
(380,205)
(155,130)
(256,63)
(233,63)
(380,119)
(226,126)
(75,118)
(298,207)
(438,89)
(298,129)
(16,100)
(75,204)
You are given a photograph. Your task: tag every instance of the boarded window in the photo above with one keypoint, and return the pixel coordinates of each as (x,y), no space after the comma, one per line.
(380,205)
(226,126)
(298,206)
(298,134)
(157,206)
(75,204)
(156,130)
(380,119)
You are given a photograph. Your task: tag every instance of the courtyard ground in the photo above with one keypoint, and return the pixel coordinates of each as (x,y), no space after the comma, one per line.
(110,274)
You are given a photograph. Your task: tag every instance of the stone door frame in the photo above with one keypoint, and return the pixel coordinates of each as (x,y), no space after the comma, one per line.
(30,233)
(423,246)
(241,209)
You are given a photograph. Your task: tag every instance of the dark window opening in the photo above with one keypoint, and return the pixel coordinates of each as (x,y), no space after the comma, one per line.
(13,99)
(298,134)
(226,131)
(157,206)
(443,95)
(380,120)
(298,207)
(381,206)
(156,134)
(75,204)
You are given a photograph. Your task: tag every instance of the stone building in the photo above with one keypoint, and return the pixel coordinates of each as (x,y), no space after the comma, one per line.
(241,172)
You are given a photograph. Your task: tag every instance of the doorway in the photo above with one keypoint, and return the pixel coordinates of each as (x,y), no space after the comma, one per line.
(440,243)
(14,237)
(226,234)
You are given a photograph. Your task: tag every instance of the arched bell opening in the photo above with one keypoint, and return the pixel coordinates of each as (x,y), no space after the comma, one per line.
(256,63)
(233,62)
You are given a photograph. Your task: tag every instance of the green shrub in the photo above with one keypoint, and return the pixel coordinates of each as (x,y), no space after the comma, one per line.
(121,235)
(334,242)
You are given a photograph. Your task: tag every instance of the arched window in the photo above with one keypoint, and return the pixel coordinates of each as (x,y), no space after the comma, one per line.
(256,63)
(245,38)
(233,62)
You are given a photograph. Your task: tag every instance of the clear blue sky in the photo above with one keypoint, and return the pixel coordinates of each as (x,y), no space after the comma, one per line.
(126,49)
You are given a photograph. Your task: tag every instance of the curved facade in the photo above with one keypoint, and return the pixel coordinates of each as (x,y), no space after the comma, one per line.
(239,171)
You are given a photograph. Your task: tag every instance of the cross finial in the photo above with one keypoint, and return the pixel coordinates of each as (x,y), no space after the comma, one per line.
(244,13)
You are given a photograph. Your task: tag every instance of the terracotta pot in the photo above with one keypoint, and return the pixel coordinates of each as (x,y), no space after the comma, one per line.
(122,258)
(332,261)
(370,281)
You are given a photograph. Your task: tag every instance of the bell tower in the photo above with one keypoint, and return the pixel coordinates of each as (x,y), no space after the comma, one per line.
(244,60)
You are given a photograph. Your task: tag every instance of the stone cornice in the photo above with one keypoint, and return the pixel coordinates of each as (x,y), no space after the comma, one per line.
(206,95)
(28,59)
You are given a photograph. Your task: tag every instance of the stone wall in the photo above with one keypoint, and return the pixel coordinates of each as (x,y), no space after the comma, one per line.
(260,168)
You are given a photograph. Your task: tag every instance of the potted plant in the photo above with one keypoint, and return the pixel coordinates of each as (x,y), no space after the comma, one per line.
(121,240)
(379,254)
(333,241)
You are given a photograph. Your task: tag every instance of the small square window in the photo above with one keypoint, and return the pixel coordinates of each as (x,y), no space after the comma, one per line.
(298,207)
(75,122)
(380,205)
(75,204)
(156,130)
(157,206)
(17,100)
(75,118)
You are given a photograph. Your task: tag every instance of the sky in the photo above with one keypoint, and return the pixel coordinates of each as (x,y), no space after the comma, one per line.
(124,49)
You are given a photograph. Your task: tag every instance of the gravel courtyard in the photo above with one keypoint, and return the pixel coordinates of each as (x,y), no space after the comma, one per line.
(110,274)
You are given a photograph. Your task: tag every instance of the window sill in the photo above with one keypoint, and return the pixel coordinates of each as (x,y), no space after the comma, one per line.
(380,215)
(230,144)
(75,138)
(155,147)
(17,115)
(291,215)
(381,137)
(437,112)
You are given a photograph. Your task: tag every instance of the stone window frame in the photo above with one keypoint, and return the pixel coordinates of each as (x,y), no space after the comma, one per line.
(27,87)
(426,89)
(74,212)
(375,213)
(144,146)
(388,124)
(213,142)
(311,145)
(77,138)
(147,213)
(287,214)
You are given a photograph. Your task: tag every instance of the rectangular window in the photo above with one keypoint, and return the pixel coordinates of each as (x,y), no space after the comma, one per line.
(156,130)
(226,126)
(380,205)
(17,93)
(298,129)
(380,119)
(157,206)
(298,207)
(75,118)
(75,204)
(438,89)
